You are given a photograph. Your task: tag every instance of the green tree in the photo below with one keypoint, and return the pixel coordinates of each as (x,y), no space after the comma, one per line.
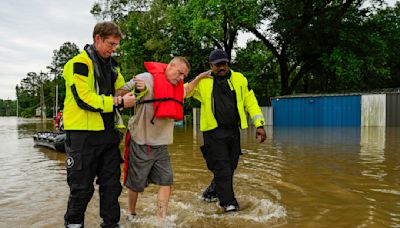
(60,57)
(299,32)
(364,56)
(263,78)
(30,90)
(116,10)
(212,23)
(386,23)
(302,46)
(8,108)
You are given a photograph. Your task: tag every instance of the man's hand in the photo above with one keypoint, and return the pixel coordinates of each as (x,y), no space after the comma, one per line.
(261,135)
(205,74)
(139,84)
(129,100)
(192,84)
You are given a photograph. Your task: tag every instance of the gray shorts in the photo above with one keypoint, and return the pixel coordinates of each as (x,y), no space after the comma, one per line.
(148,164)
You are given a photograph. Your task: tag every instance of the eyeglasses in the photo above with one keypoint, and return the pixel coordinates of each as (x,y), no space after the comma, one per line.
(111,44)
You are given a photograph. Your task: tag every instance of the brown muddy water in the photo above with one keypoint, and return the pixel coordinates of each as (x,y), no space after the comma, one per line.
(300,177)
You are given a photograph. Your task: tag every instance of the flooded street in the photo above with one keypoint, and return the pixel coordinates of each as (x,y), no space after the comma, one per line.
(300,177)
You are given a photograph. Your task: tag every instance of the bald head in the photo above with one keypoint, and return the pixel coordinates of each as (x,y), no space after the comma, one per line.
(180,59)
(178,68)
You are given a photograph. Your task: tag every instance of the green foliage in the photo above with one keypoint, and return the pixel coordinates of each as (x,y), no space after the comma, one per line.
(60,57)
(8,108)
(214,23)
(257,64)
(387,25)
(346,69)
(363,57)
(147,39)
(35,84)
(116,10)
(27,112)
(300,47)
(29,90)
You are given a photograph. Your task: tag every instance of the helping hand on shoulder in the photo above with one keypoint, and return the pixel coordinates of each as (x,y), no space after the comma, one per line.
(205,74)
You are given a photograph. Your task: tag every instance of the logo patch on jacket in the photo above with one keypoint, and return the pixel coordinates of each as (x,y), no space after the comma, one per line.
(70,162)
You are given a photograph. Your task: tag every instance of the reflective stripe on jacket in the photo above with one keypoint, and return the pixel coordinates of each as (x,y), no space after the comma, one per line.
(83,104)
(246,100)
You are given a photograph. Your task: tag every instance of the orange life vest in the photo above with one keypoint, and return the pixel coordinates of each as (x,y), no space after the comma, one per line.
(168,99)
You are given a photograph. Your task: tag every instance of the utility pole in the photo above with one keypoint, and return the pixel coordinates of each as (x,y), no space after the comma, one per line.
(42,105)
(55,109)
(55,79)
(42,116)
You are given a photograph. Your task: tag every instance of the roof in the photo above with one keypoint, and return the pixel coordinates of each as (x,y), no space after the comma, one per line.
(377,91)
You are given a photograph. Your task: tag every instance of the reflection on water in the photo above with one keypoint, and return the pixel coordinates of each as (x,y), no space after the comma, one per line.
(372,152)
(341,138)
(374,167)
(301,177)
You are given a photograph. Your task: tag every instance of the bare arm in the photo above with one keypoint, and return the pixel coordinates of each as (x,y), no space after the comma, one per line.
(130,85)
(121,92)
(192,84)
(126,88)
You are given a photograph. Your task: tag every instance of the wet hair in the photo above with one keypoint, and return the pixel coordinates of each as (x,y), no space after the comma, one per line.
(182,60)
(105,29)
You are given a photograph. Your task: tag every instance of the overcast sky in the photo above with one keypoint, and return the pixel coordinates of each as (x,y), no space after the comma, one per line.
(31,29)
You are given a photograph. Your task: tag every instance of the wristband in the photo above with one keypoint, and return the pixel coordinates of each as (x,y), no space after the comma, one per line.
(120,105)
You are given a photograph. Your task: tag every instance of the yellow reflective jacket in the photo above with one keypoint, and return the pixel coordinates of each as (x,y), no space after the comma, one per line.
(83,104)
(246,100)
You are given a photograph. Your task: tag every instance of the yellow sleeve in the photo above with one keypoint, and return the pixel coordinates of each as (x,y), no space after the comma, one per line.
(252,107)
(84,95)
(195,93)
(120,80)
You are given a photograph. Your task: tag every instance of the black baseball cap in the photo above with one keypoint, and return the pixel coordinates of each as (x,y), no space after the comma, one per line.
(218,56)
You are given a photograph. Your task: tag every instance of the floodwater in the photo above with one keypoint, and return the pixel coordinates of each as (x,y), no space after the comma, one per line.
(300,177)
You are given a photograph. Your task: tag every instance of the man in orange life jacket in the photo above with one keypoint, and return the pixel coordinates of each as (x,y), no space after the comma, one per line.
(151,129)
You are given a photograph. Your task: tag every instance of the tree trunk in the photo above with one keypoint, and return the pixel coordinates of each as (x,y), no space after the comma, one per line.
(284,77)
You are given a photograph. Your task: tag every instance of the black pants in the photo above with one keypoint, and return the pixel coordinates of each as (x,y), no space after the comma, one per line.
(221,152)
(92,154)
